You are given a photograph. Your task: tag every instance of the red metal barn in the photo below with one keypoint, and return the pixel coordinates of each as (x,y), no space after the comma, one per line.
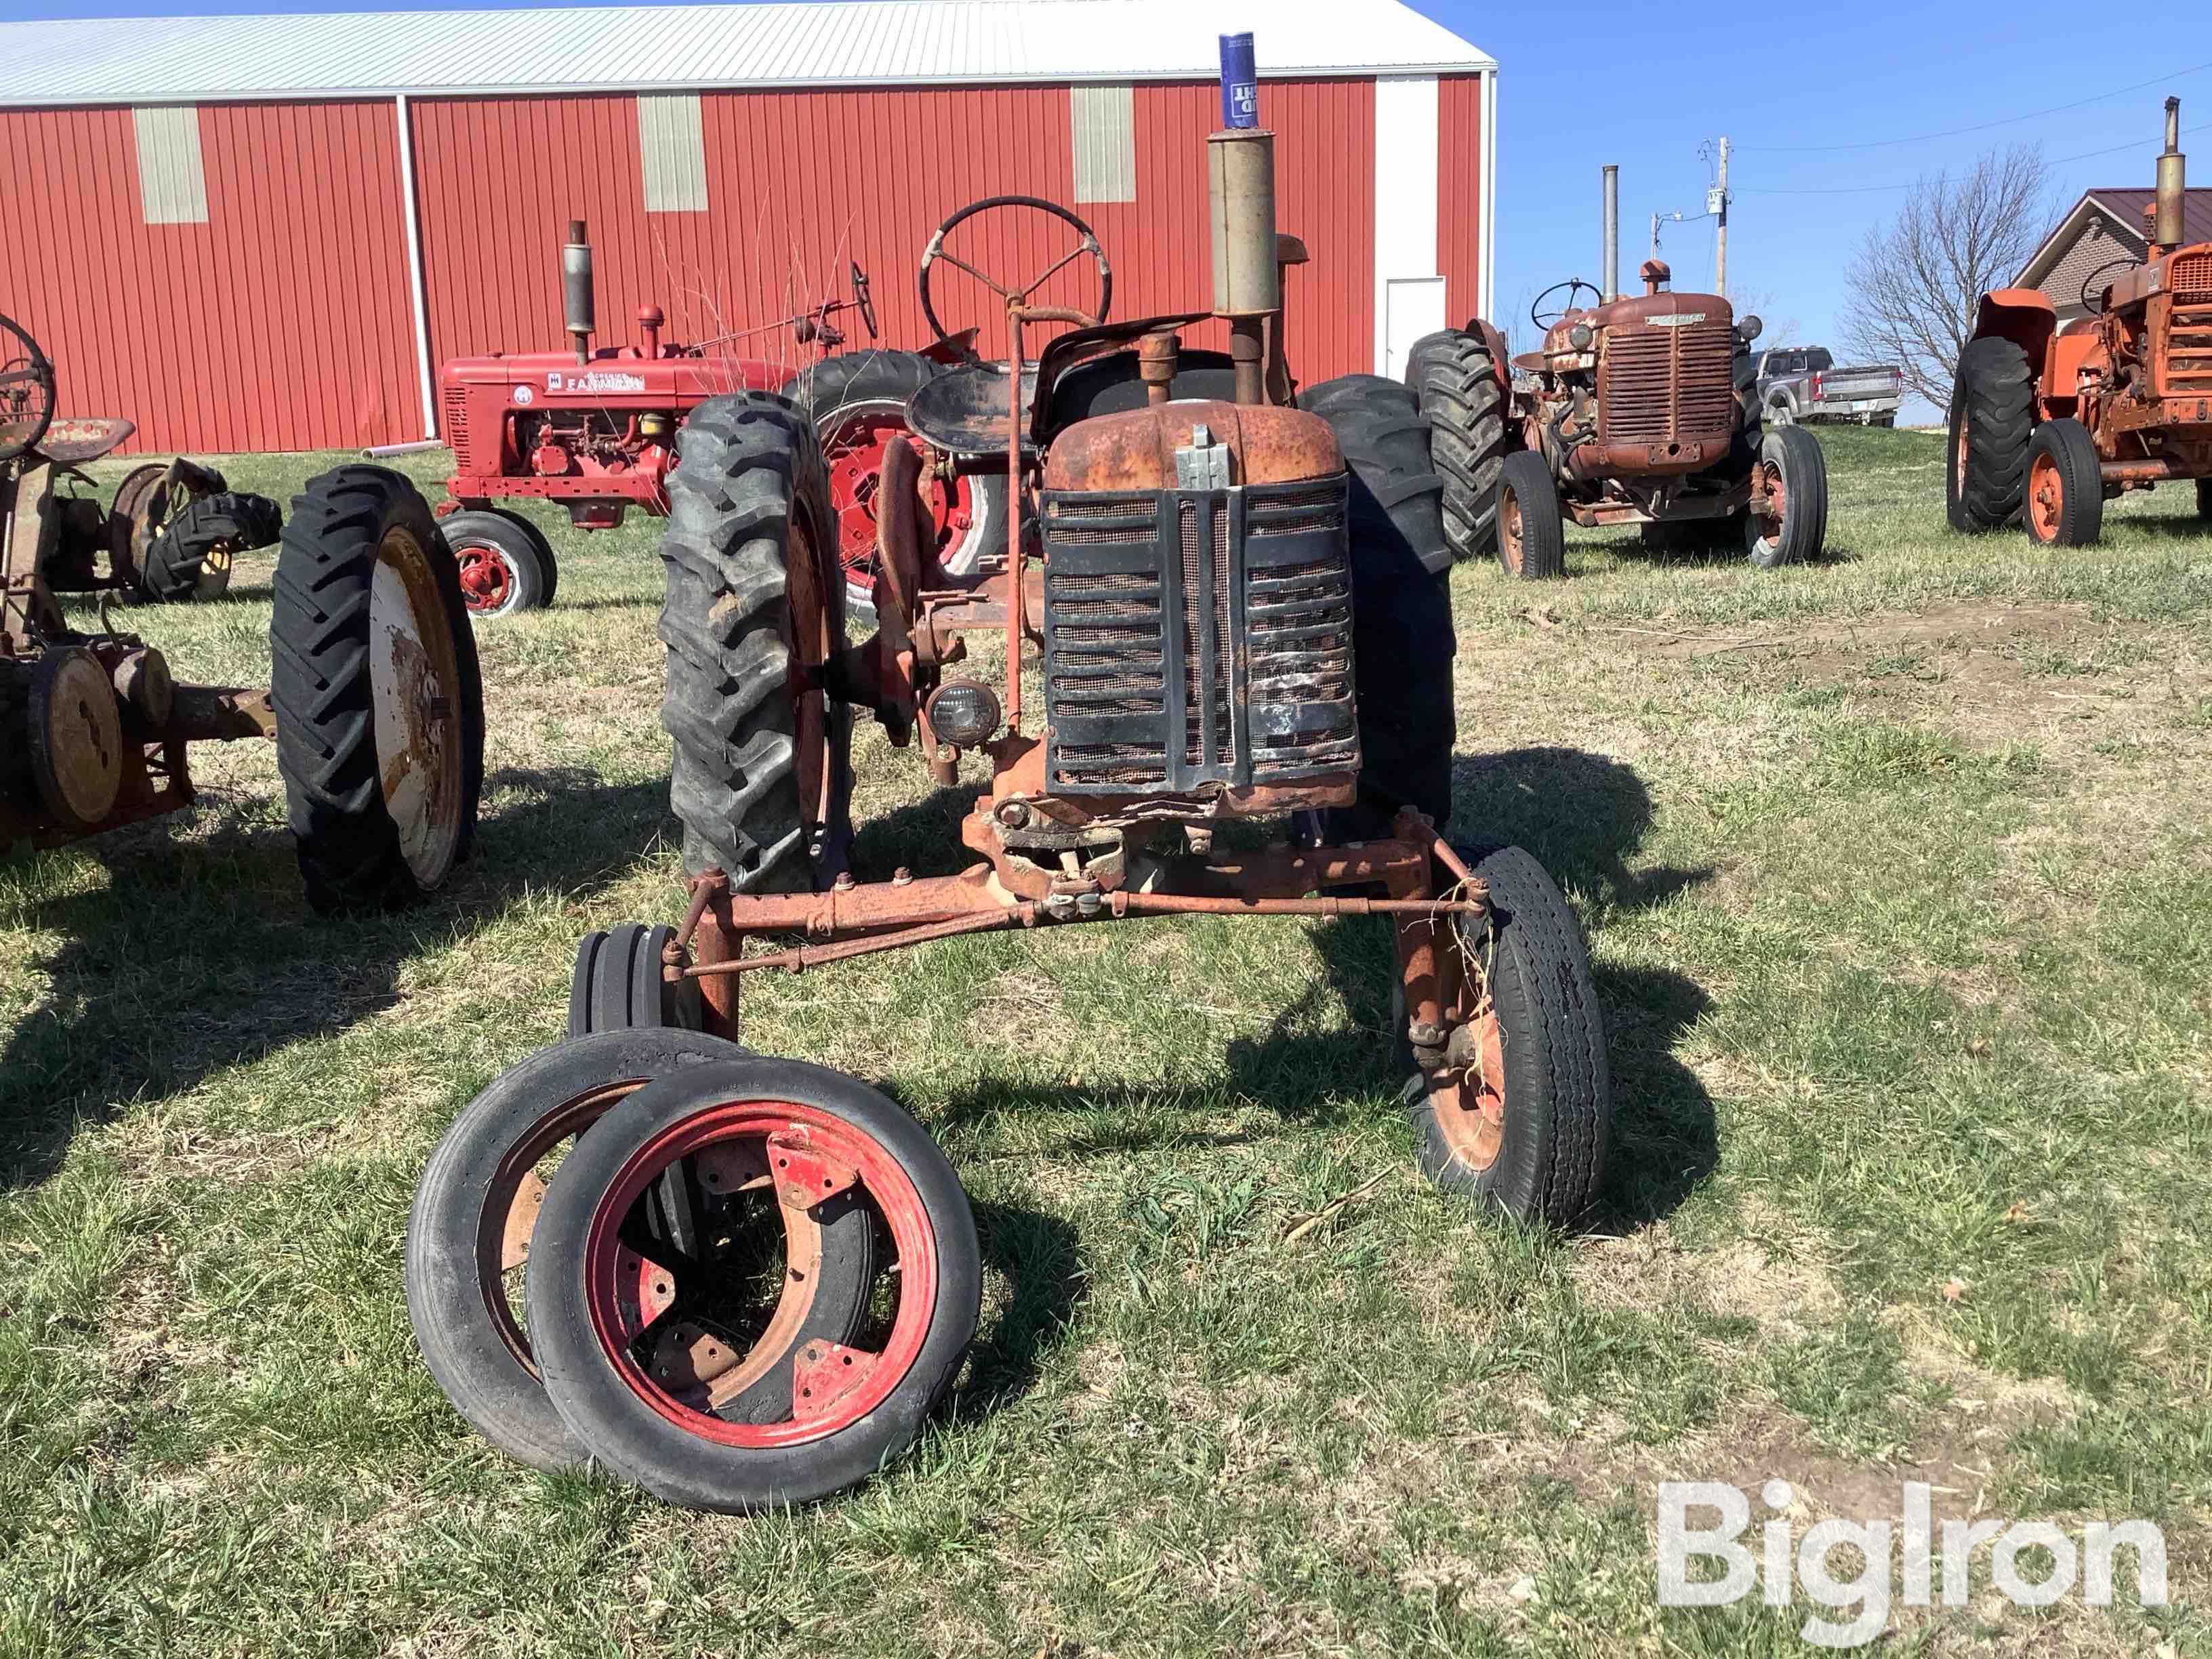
(263,233)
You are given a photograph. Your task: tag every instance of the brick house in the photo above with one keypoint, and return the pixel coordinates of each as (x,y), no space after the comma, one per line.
(2104,226)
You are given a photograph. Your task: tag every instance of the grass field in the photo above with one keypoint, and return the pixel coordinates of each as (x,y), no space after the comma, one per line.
(1899,887)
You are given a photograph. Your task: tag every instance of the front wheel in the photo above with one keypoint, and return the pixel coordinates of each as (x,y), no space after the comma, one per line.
(378,696)
(1532,534)
(1795,471)
(672,1290)
(619,983)
(2065,502)
(506,563)
(1521,1112)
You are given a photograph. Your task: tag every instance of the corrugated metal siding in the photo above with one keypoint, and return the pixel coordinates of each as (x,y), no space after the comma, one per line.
(1459,195)
(638,48)
(804,183)
(281,322)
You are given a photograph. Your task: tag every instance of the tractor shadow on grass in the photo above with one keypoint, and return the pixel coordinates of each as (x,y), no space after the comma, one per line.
(198,954)
(1038,1256)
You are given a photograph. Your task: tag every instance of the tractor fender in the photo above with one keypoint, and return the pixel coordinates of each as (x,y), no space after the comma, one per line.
(2025,316)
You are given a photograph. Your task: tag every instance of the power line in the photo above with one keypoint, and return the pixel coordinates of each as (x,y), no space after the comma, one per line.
(1982,126)
(1863,190)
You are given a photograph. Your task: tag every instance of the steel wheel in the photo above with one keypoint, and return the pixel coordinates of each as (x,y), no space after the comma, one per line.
(487,578)
(674,1289)
(414,679)
(2046,497)
(853,439)
(1511,547)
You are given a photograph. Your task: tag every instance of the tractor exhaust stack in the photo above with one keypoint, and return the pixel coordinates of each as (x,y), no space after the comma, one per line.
(1247,276)
(2173,181)
(578,302)
(1612,233)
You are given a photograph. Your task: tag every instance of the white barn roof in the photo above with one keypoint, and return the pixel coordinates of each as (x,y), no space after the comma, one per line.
(679,48)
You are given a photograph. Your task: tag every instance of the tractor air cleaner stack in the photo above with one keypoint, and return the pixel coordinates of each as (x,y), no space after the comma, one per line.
(1248,286)
(576,296)
(2172,181)
(1612,233)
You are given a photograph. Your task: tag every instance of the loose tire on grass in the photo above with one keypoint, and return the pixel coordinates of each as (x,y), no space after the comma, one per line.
(1540,1149)
(189,557)
(831,1414)
(763,776)
(618,985)
(1462,398)
(1532,530)
(470,1229)
(2064,505)
(378,697)
(1992,418)
(1797,468)
(508,564)
(1403,645)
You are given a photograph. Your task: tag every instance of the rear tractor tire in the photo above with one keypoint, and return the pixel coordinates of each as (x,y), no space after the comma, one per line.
(1532,530)
(378,697)
(2065,501)
(1403,644)
(763,774)
(507,562)
(1796,469)
(1529,1125)
(1992,420)
(191,556)
(1462,395)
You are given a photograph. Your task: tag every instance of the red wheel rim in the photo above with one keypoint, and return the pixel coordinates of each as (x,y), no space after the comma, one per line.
(1509,532)
(628,1295)
(2046,498)
(852,446)
(487,578)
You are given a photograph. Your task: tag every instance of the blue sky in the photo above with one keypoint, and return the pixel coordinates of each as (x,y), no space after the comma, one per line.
(1653,88)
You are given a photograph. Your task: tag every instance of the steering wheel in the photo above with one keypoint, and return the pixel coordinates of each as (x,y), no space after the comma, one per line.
(1538,315)
(864,300)
(27,391)
(2094,285)
(1014,296)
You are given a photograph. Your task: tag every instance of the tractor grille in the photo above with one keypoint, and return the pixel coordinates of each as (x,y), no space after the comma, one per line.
(1669,385)
(2189,350)
(1198,636)
(456,425)
(2188,278)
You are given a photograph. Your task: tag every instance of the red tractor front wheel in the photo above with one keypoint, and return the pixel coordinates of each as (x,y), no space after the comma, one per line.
(507,564)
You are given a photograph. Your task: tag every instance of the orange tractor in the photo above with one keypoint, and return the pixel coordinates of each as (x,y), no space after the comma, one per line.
(2049,424)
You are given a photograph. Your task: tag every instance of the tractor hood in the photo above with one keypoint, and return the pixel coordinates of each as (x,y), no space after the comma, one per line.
(618,377)
(1137,450)
(1640,311)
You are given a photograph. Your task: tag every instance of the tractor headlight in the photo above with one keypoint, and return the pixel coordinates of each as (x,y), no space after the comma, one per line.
(963,713)
(1580,337)
(1750,328)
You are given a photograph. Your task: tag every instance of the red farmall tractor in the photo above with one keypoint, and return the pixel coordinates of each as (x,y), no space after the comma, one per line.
(595,430)
(1634,410)
(374,703)
(753,1278)
(2047,423)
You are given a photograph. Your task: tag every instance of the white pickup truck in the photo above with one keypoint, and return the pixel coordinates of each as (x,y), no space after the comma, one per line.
(1798,384)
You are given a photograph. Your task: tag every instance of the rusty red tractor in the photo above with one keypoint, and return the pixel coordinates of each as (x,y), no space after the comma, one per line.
(1634,410)
(2049,424)
(374,703)
(594,429)
(750,1280)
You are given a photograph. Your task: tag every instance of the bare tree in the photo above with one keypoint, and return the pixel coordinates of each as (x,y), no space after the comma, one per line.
(1915,281)
(1778,327)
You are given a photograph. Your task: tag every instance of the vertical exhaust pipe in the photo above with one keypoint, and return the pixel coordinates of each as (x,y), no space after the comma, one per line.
(1247,276)
(1612,233)
(577,302)
(2172,181)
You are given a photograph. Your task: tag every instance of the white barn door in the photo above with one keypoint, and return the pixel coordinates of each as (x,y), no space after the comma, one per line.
(1409,293)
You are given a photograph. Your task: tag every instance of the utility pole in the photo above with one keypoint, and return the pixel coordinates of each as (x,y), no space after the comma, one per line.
(1720,207)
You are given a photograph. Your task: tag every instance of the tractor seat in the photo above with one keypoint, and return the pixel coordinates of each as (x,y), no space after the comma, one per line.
(72,442)
(1529,362)
(963,410)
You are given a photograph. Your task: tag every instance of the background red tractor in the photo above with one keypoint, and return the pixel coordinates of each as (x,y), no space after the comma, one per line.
(2047,423)
(595,430)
